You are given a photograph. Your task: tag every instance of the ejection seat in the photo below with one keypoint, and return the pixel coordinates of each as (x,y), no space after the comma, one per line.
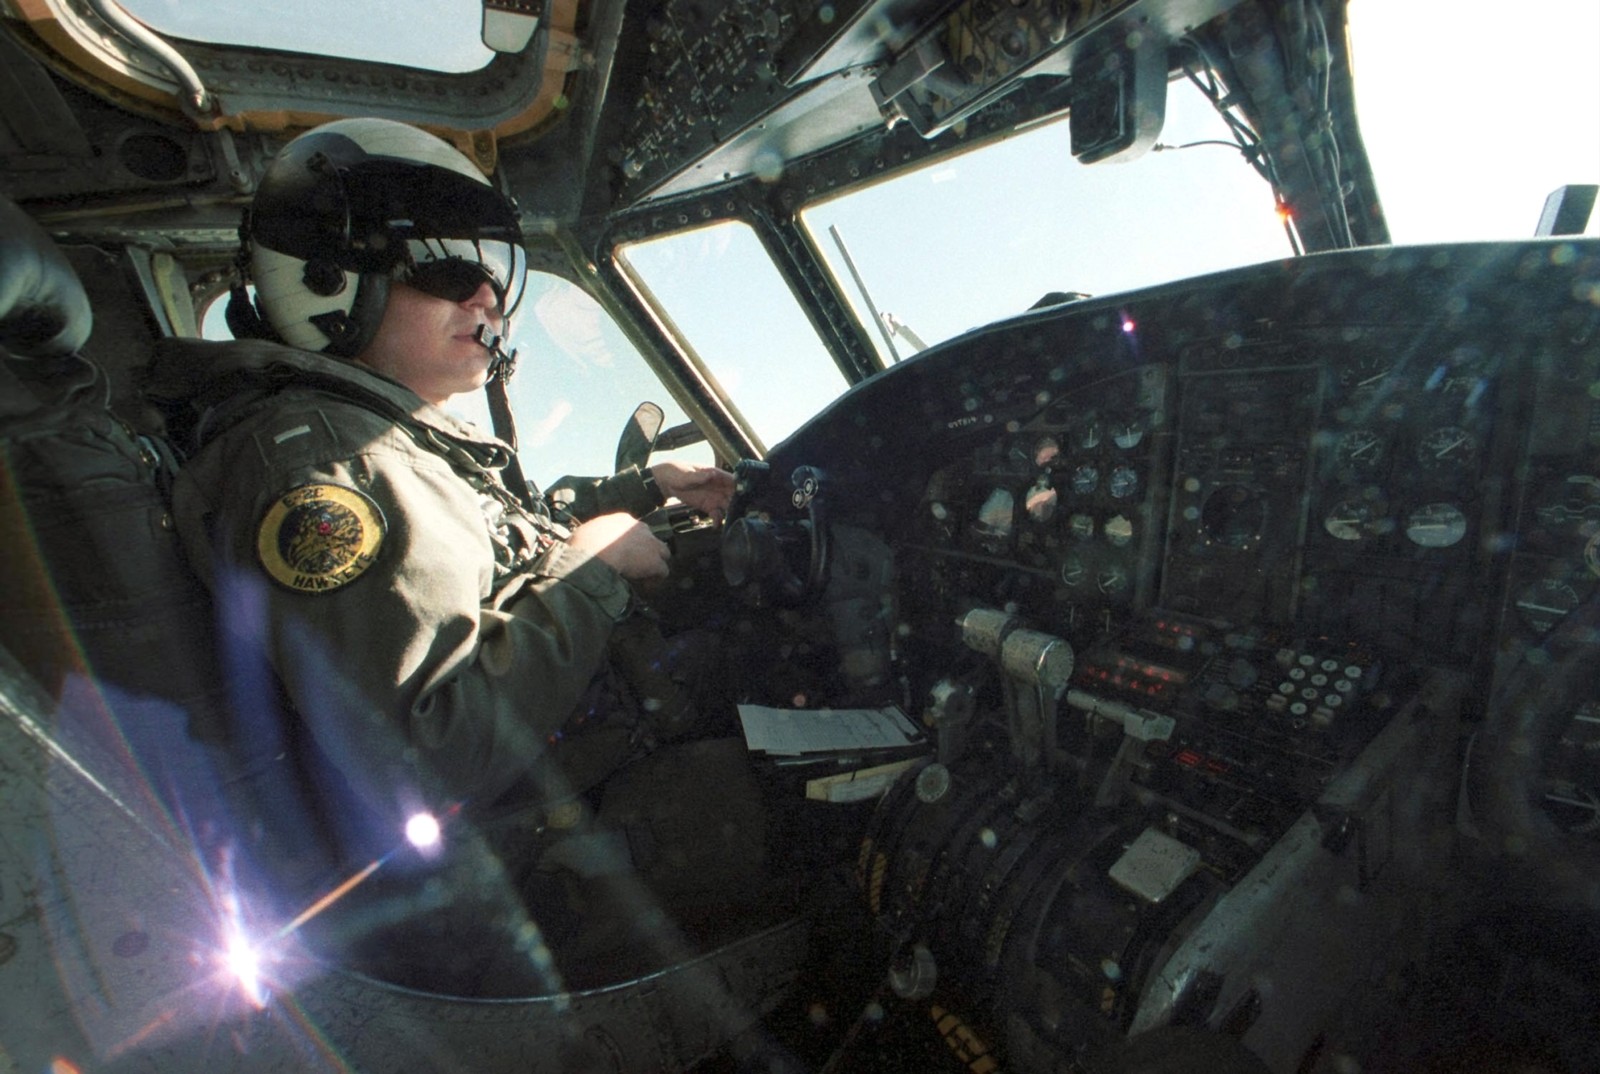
(130,937)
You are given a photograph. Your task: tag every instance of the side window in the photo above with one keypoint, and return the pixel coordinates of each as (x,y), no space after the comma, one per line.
(578,379)
(744,324)
(577,382)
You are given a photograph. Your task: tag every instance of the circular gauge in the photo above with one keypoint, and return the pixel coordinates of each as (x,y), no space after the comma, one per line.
(1366,373)
(1118,530)
(1436,525)
(1073,572)
(1359,448)
(1446,448)
(1085,479)
(995,516)
(1460,373)
(1233,516)
(1351,520)
(1124,482)
(1089,434)
(1081,526)
(1571,774)
(1575,503)
(1574,808)
(1112,581)
(1041,501)
(1127,433)
(1046,451)
(1545,603)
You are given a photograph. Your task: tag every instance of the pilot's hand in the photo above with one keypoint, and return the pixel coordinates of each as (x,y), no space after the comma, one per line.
(624,544)
(704,488)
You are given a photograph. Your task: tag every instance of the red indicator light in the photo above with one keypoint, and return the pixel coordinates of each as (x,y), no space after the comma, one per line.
(1188,757)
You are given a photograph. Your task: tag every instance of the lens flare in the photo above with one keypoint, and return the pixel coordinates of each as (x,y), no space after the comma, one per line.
(243,961)
(423,830)
(240,958)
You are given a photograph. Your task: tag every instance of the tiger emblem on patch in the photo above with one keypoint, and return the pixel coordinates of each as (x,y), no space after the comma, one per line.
(320,537)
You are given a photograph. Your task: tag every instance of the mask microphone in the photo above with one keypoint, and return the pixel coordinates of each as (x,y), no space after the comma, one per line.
(501,364)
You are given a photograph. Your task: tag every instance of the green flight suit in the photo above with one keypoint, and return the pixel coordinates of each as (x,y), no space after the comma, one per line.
(454,647)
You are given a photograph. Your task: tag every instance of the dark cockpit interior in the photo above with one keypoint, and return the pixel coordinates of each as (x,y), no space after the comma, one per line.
(1249,623)
(1268,565)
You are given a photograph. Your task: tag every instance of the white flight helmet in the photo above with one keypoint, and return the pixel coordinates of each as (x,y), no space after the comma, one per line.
(349,206)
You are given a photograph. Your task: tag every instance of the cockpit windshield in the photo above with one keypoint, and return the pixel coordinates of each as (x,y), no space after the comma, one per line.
(986,235)
(977,237)
(1477,159)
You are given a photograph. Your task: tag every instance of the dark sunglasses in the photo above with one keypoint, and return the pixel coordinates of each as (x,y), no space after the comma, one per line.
(454,280)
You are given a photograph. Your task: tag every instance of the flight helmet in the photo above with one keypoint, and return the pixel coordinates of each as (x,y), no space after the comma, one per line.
(348,208)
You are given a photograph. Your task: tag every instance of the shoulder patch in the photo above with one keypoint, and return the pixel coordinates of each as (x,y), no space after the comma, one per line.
(320,537)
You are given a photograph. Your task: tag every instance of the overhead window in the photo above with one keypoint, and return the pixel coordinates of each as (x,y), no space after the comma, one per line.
(431,35)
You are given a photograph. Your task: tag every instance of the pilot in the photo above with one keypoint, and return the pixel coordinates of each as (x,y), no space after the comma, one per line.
(408,633)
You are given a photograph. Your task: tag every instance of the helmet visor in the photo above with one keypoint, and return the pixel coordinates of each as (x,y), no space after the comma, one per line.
(454,269)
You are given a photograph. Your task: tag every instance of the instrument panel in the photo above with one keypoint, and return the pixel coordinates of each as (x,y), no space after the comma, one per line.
(1275,485)
(1395,449)
(1217,602)
(1063,503)
(1387,461)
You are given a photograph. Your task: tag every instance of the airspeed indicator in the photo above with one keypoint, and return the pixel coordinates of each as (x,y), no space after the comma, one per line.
(1124,482)
(1073,572)
(1126,434)
(1436,525)
(1119,530)
(1447,448)
(1350,520)
(1545,603)
(1112,581)
(1085,479)
(1361,448)
(1366,373)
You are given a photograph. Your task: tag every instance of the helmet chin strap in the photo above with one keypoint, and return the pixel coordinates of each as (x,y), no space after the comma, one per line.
(501,366)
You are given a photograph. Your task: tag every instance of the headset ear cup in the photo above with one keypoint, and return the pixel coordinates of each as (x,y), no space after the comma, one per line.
(349,333)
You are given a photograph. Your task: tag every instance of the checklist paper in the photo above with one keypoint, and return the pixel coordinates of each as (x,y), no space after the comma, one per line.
(798,732)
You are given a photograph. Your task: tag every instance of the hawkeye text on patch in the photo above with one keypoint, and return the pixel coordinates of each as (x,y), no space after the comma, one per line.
(319,537)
